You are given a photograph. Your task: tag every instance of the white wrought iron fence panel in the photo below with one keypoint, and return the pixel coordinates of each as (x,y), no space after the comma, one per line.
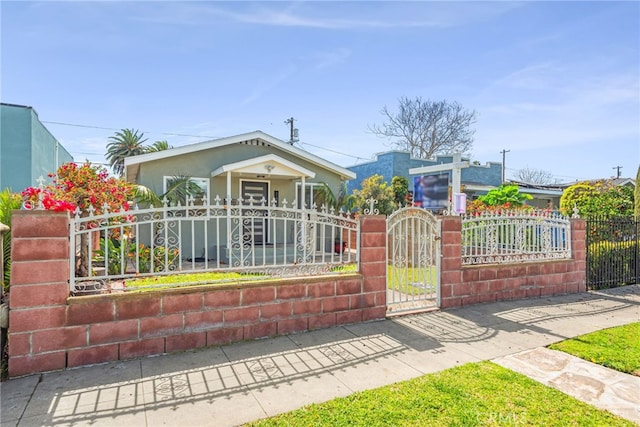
(242,236)
(515,236)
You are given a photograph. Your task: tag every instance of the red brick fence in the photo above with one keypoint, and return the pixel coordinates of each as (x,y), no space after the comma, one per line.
(50,330)
(472,284)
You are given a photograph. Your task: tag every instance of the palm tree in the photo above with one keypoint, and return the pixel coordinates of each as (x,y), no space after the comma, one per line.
(125,143)
(159,146)
(338,201)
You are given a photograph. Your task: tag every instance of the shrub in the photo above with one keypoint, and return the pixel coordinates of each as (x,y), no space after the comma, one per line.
(400,187)
(8,202)
(636,195)
(163,259)
(604,254)
(503,195)
(600,198)
(113,254)
(83,187)
(374,187)
(506,198)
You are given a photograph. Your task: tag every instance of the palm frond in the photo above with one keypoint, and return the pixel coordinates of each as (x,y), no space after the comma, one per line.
(124,143)
(146,196)
(158,146)
(180,188)
(338,200)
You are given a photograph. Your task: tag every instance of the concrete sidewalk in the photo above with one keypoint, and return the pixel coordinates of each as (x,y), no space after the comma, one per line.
(238,383)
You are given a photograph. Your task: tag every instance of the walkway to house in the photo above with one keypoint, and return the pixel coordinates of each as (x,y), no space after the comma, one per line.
(238,383)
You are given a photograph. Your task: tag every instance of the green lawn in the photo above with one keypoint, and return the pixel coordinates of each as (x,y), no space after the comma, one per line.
(474,394)
(616,348)
(404,279)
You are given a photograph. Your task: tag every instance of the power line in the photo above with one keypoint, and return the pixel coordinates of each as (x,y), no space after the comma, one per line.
(333,151)
(578,178)
(144,131)
(187,135)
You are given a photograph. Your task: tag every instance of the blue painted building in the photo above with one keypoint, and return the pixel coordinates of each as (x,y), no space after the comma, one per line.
(27,149)
(476,179)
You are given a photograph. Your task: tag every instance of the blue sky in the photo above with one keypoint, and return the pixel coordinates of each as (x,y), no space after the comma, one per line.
(555,83)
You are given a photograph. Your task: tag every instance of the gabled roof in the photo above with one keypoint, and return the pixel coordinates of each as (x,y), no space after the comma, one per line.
(547,190)
(269,165)
(624,181)
(132,163)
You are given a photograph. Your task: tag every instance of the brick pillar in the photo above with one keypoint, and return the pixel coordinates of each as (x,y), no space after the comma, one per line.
(451,261)
(579,250)
(373,263)
(38,293)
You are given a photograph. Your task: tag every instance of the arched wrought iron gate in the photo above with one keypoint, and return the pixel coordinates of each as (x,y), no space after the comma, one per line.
(413,260)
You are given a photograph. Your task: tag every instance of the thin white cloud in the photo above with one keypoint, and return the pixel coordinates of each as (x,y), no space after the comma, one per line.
(596,92)
(562,95)
(329,15)
(610,89)
(549,107)
(538,76)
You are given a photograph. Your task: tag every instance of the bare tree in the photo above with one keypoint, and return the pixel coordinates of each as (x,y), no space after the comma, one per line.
(425,128)
(535,176)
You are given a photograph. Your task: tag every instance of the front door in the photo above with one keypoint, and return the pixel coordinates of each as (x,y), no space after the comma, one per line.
(254,224)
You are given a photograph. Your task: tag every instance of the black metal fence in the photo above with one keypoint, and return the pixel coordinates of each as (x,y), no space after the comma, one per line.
(613,252)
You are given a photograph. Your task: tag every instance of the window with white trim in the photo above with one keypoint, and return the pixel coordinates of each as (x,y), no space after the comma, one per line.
(198,188)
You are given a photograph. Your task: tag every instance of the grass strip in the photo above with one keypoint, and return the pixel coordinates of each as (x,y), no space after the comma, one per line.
(474,394)
(193,278)
(210,277)
(616,348)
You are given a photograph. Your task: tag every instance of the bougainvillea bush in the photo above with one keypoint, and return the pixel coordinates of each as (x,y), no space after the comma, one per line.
(81,187)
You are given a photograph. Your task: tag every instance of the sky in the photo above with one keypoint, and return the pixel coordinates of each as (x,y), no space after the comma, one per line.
(555,84)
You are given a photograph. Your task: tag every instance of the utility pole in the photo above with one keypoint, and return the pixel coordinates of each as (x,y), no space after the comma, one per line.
(293,131)
(617,168)
(504,154)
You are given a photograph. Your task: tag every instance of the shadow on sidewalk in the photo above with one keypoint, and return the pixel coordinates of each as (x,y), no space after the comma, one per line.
(223,374)
(482,322)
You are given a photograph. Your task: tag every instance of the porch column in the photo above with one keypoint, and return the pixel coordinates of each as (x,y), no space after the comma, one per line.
(304,223)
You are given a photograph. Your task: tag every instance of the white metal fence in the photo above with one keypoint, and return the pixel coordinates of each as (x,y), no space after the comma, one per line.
(110,249)
(413,260)
(515,236)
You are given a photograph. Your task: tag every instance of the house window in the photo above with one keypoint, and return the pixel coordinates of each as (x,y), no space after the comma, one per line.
(311,189)
(179,190)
